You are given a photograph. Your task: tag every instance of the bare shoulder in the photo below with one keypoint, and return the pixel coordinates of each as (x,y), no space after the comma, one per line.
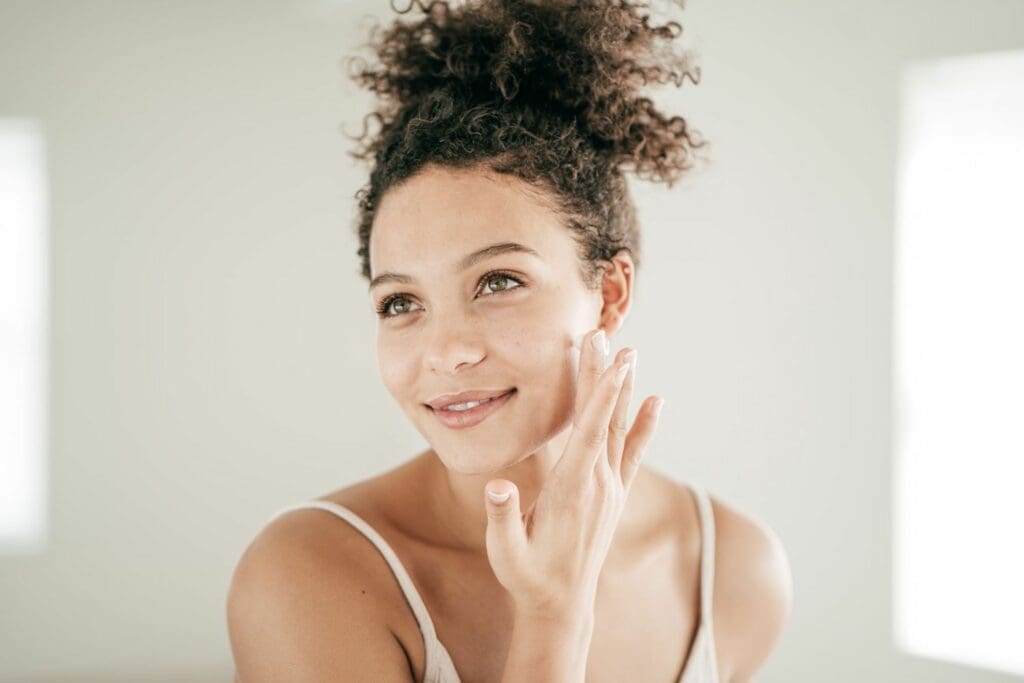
(753,591)
(307,602)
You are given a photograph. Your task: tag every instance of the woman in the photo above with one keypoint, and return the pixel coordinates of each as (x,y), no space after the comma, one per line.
(527,543)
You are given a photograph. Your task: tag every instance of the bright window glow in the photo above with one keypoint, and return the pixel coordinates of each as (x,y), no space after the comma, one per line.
(23,337)
(959,363)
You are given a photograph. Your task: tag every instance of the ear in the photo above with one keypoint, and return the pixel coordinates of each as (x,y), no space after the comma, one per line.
(616,291)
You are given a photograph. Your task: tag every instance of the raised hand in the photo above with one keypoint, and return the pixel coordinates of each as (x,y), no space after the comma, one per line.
(550,558)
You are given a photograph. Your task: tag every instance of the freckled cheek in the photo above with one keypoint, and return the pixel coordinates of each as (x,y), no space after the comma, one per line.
(546,363)
(397,363)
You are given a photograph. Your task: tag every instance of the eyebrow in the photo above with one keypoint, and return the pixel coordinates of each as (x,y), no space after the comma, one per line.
(466,262)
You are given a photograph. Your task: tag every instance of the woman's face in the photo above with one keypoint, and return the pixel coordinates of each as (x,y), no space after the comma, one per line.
(455,318)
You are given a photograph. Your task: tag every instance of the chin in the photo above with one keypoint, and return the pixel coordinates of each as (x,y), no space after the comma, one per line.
(473,459)
(471,467)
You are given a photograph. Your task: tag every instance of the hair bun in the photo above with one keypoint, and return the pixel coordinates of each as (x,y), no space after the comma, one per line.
(582,62)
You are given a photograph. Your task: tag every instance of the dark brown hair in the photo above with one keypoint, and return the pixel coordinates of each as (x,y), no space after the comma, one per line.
(544,90)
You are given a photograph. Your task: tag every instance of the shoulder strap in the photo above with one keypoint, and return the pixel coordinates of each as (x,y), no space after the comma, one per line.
(412,596)
(707,552)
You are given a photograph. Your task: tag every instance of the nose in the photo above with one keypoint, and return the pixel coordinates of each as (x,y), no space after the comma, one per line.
(452,346)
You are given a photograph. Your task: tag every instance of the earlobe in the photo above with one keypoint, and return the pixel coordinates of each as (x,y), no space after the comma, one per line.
(611,324)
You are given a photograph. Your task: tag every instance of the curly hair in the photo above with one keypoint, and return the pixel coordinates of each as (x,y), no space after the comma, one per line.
(547,91)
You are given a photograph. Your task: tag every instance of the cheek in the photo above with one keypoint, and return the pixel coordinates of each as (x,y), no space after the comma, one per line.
(546,362)
(548,384)
(397,368)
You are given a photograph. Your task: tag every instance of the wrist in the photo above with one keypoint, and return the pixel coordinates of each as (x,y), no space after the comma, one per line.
(565,616)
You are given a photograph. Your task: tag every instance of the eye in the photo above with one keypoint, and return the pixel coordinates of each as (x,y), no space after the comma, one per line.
(497,281)
(394,305)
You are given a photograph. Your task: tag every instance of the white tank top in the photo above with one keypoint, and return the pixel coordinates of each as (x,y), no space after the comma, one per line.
(701,664)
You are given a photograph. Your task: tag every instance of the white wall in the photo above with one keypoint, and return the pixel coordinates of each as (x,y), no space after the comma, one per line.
(212,345)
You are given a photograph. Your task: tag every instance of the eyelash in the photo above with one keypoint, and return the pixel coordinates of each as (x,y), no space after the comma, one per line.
(386,302)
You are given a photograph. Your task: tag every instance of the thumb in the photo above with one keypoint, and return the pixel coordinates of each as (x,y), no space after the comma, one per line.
(506,536)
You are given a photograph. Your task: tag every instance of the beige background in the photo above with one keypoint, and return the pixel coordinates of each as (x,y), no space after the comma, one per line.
(212,351)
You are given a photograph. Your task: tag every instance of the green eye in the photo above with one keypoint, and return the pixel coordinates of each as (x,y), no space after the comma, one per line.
(503,281)
(394,305)
(498,282)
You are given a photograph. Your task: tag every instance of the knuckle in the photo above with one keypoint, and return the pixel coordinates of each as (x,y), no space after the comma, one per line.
(619,428)
(594,437)
(633,456)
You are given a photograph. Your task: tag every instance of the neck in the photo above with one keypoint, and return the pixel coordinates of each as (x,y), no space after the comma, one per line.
(457,502)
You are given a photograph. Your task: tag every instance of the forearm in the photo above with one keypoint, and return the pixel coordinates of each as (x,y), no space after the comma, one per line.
(549,649)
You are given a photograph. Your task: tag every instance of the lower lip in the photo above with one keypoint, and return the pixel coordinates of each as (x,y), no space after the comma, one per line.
(463,419)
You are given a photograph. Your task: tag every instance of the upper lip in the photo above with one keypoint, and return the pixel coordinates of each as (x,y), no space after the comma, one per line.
(445,400)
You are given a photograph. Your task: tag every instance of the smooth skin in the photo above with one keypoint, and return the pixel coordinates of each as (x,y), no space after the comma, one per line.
(312,600)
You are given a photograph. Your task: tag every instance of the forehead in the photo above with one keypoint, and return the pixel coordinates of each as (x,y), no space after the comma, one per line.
(436,217)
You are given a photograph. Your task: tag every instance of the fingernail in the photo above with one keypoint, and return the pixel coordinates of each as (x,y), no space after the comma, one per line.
(498,497)
(600,342)
(658,403)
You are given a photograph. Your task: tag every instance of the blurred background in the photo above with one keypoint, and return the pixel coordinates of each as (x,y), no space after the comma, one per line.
(187,346)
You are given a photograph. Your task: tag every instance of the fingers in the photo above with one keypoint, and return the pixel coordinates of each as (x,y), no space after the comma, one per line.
(593,351)
(619,425)
(506,536)
(590,434)
(638,438)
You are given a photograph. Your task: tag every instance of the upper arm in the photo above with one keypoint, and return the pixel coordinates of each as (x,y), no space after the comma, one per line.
(294,617)
(753,592)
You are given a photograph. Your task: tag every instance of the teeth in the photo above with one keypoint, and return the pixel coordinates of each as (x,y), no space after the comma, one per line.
(466,406)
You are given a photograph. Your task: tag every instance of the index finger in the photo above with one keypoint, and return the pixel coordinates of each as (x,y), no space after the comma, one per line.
(593,350)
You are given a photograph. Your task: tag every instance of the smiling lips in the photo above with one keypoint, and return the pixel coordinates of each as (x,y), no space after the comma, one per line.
(469,408)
